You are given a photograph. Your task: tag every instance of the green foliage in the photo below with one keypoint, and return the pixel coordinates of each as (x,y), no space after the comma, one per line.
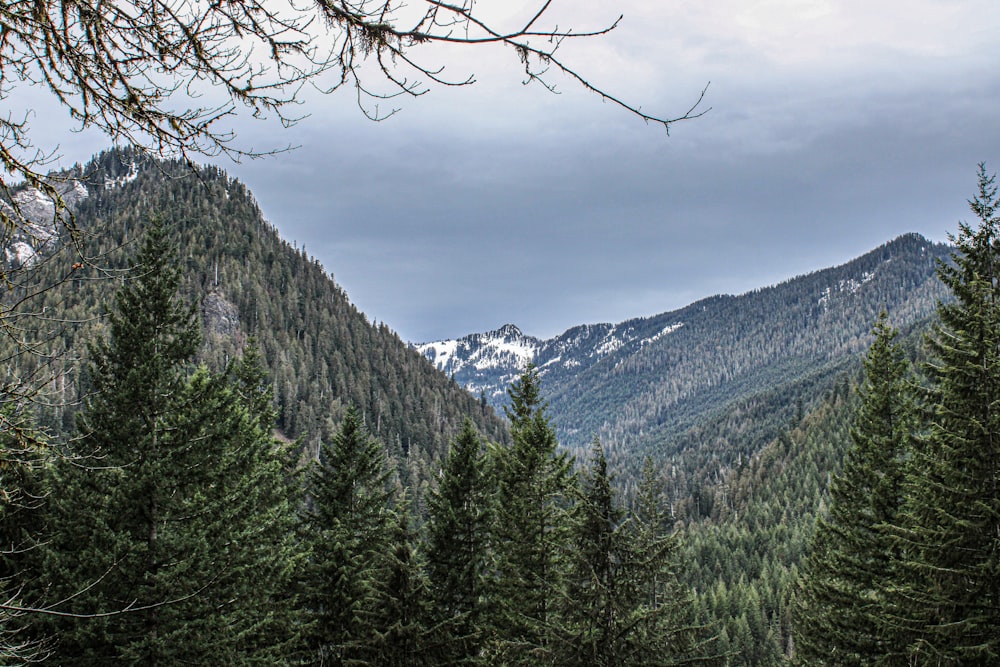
(531,528)
(841,613)
(170,515)
(347,529)
(23,453)
(743,560)
(947,603)
(624,603)
(458,523)
(777,345)
(406,631)
(599,595)
(320,353)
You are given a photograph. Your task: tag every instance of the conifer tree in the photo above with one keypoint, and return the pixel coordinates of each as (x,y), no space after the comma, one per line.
(841,614)
(601,592)
(405,634)
(665,630)
(347,526)
(458,544)
(531,528)
(948,601)
(170,516)
(23,453)
(258,495)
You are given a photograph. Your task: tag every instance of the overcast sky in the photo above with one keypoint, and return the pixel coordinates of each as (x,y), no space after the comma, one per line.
(834,127)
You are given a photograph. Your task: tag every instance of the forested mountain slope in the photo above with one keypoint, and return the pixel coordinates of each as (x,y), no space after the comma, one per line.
(321,352)
(746,535)
(722,375)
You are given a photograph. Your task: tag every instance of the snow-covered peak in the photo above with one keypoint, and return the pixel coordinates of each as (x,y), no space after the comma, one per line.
(503,347)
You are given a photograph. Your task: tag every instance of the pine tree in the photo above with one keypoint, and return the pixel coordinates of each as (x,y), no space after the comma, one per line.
(458,544)
(601,593)
(406,634)
(170,516)
(948,601)
(23,453)
(663,624)
(841,615)
(259,496)
(347,526)
(531,528)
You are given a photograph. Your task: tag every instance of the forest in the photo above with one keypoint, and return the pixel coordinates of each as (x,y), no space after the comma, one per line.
(173,528)
(201,478)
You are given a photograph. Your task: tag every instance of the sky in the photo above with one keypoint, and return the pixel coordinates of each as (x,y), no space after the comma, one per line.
(834,127)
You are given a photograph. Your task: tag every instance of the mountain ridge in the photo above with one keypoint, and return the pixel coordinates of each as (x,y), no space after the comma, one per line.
(642,382)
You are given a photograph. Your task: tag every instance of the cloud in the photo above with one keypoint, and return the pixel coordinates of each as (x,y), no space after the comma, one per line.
(835,126)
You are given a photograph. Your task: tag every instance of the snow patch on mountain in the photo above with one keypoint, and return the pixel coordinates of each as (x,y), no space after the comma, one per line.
(844,286)
(667,330)
(608,345)
(503,348)
(120,181)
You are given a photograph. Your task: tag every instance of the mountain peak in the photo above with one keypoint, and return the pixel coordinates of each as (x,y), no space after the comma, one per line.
(506,331)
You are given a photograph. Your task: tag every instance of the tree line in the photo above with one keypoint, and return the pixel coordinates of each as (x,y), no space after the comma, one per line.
(174,528)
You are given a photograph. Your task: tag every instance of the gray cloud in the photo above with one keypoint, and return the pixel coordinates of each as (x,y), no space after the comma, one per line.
(835,127)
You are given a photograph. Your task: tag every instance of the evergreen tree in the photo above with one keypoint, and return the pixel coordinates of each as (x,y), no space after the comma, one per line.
(458,544)
(347,526)
(841,615)
(601,593)
(405,633)
(531,529)
(170,516)
(663,624)
(948,602)
(258,495)
(23,453)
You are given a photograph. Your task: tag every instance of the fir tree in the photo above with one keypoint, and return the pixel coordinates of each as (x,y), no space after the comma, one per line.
(259,495)
(170,516)
(534,487)
(23,453)
(601,593)
(405,634)
(841,615)
(948,601)
(458,543)
(347,526)
(663,627)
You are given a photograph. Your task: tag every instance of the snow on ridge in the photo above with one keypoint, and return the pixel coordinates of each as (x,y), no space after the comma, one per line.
(667,330)
(439,352)
(120,181)
(505,347)
(844,285)
(610,344)
(495,351)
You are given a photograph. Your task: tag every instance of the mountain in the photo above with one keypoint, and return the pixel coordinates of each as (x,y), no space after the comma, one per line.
(247,283)
(38,227)
(746,403)
(648,384)
(486,363)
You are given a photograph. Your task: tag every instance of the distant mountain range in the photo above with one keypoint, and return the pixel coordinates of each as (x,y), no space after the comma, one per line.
(641,384)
